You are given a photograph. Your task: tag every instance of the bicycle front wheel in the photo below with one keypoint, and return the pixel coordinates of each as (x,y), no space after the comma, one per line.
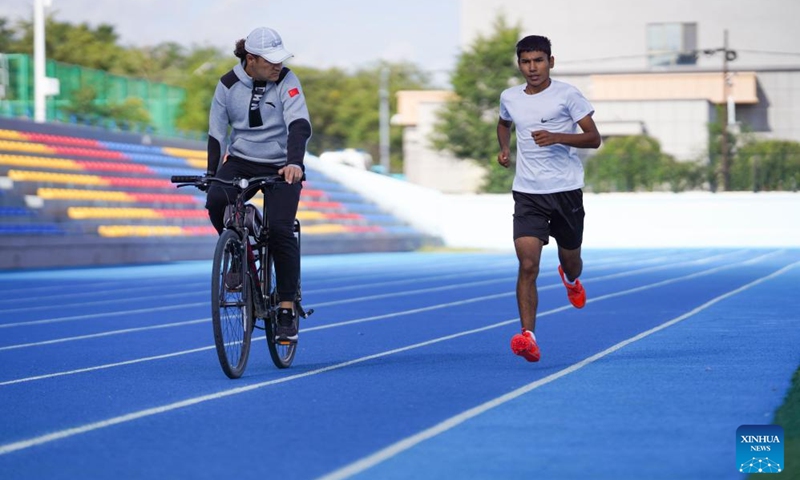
(231,304)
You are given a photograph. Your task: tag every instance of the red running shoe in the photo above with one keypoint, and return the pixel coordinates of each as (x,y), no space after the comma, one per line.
(575,293)
(524,345)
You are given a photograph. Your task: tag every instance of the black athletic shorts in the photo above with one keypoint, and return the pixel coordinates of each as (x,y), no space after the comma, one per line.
(544,215)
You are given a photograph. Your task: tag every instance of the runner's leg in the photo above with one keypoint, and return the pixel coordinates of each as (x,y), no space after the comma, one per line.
(529,252)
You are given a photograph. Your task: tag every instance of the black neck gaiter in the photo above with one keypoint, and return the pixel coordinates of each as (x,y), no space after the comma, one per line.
(255,100)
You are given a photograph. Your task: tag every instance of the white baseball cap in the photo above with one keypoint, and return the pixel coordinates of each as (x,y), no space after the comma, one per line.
(266,43)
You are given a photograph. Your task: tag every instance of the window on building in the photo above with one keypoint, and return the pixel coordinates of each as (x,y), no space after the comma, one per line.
(671,44)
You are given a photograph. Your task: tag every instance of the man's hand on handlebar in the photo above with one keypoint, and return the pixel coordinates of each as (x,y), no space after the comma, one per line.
(291,173)
(204,184)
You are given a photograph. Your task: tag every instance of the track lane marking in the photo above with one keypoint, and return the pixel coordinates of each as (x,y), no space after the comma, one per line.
(186,305)
(396,448)
(401,313)
(384,454)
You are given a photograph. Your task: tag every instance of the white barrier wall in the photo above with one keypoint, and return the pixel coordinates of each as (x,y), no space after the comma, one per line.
(693,219)
(614,220)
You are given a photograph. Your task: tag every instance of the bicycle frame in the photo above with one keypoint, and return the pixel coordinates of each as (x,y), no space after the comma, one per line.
(260,240)
(255,281)
(255,241)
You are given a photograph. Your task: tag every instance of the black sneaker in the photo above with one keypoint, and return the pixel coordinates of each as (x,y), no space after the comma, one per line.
(286,330)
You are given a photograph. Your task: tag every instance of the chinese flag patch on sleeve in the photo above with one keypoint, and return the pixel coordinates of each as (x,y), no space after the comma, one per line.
(294,92)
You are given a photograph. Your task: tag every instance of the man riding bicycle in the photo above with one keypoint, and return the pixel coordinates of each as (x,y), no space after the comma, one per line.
(263,104)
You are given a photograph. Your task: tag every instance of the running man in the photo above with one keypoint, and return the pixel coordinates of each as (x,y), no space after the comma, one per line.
(548,200)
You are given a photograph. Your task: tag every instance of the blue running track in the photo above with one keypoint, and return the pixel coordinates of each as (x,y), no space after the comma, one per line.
(404,371)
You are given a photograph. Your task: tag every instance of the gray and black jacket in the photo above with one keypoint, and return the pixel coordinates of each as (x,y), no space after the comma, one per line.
(269,120)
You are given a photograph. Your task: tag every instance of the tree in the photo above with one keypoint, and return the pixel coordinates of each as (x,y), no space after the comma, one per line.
(343,107)
(204,67)
(78,45)
(467,126)
(766,165)
(631,163)
(721,141)
(82,105)
(127,114)
(682,176)
(326,92)
(7,36)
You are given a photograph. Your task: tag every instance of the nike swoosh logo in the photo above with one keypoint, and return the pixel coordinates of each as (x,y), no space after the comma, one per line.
(545,120)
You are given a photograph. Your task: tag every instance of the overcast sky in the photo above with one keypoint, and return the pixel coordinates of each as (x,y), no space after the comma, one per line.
(321,33)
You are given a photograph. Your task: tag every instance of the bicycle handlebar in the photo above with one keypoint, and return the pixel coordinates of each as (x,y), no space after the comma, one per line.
(185,178)
(240,183)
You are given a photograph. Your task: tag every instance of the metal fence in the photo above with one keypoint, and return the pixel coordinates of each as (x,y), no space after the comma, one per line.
(161,101)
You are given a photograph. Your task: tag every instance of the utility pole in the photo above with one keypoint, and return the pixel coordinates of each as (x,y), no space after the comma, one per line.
(725,161)
(383,93)
(723,171)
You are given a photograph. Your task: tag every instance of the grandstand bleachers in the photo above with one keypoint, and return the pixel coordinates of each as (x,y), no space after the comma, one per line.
(97,193)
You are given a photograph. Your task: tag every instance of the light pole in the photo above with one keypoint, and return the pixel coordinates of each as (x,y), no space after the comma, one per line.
(383,112)
(42,85)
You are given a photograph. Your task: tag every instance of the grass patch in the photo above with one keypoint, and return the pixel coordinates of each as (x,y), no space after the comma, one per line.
(788,417)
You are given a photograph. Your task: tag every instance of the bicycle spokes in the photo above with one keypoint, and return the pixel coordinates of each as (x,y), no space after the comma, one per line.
(231,305)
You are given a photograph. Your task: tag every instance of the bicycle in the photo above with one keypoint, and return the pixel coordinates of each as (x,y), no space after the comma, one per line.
(243,284)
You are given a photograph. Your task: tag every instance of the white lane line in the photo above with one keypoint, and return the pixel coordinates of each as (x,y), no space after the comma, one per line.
(102,286)
(189,291)
(61,434)
(104,314)
(452,286)
(107,365)
(95,303)
(417,280)
(50,305)
(103,334)
(187,305)
(191,322)
(399,447)
(426,309)
(186,352)
(373,318)
(364,272)
(378,456)
(94,293)
(500,268)
(510,279)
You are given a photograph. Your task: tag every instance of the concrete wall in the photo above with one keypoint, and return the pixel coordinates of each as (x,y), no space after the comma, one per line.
(427,167)
(778,112)
(417,112)
(681,126)
(620,220)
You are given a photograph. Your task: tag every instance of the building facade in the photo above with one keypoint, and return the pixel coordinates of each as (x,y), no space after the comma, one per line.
(663,68)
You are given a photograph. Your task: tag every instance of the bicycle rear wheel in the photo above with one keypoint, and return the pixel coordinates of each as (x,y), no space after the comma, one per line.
(282,353)
(231,304)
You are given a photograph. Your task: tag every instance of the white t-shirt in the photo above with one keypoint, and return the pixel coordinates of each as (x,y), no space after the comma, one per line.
(558,108)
